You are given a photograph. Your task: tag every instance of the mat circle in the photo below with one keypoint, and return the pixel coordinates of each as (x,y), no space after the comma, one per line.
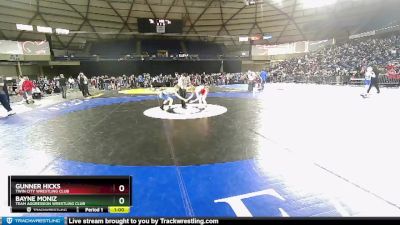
(120,133)
(193,111)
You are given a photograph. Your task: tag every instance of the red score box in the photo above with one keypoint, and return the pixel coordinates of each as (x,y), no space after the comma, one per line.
(66,185)
(96,189)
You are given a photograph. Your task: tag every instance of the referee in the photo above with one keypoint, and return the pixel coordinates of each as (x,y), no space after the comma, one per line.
(183,84)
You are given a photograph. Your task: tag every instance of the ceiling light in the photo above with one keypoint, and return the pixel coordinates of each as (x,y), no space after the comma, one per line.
(267,37)
(309,4)
(24,27)
(243,39)
(249,2)
(62,31)
(44,29)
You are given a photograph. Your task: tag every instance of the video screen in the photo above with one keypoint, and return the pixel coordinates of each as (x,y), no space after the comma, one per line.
(149,25)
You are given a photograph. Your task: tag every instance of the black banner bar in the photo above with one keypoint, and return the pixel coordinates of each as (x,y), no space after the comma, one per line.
(67,178)
(59,210)
(222,221)
(9,190)
(131,191)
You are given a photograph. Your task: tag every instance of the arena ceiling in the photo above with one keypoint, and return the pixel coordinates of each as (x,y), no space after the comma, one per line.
(213,20)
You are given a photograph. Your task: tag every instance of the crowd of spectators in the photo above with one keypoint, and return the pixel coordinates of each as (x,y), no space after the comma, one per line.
(344,60)
(332,64)
(47,86)
(327,65)
(106,82)
(44,86)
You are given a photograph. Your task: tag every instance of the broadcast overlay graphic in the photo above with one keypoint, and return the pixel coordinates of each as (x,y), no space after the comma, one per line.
(38,195)
(118,221)
(47,194)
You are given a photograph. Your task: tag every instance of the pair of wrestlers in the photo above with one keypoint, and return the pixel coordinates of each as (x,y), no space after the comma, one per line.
(167,95)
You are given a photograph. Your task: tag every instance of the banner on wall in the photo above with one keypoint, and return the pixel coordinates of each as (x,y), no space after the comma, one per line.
(10,51)
(24,51)
(263,52)
(281,49)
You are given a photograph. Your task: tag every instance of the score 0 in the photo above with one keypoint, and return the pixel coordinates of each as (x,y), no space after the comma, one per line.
(121,189)
(121,200)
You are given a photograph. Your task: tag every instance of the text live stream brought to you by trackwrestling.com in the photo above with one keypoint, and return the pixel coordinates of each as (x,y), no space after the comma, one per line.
(182,221)
(104,221)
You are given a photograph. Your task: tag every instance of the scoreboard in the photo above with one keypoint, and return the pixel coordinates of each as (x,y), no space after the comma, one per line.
(149,25)
(83,194)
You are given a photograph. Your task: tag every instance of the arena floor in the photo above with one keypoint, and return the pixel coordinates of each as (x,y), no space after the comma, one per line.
(292,150)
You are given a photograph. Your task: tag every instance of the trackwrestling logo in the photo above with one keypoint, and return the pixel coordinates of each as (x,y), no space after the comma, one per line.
(35,220)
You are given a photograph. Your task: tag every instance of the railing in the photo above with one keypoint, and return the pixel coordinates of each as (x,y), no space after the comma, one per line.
(384,80)
(389,81)
(306,79)
(189,57)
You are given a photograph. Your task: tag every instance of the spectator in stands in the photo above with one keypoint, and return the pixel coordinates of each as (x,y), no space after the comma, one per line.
(251,78)
(101,83)
(374,73)
(112,83)
(63,85)
(106,83)
(84,84)
(4,98)
(264,77)
(37,93)
(140,81)
(47,88)
(71,82)
(81,80)
(367,78)
(27,88)
(21,81)
(341,59)
(5,89)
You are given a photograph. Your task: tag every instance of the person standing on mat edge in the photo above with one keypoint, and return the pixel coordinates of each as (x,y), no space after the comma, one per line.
(4,98)
(27,88)
(84,85)
(5,89)
(264,77)
(251,79)
(63,85)
(374,74)
(367,78)
(183,84)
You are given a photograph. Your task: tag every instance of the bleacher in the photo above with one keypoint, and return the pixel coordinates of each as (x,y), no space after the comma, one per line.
(113,49)
(384,80)
(388,81)
(152,47)
(205,50)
